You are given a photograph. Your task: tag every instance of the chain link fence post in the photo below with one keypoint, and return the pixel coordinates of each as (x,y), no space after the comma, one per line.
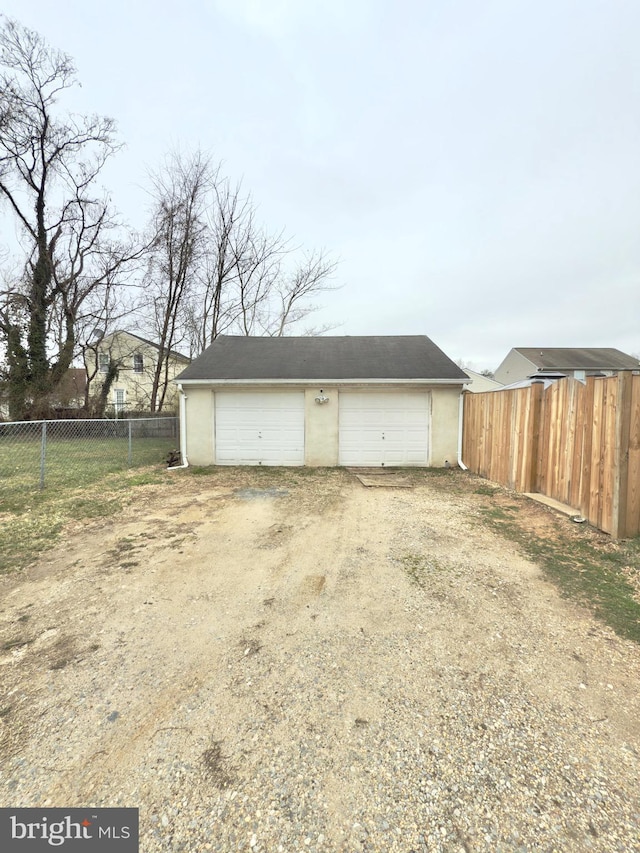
(43,453)
(130,456)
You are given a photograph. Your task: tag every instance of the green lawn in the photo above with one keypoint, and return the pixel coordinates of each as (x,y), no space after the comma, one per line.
(84,478)
(586,565)
(71,463)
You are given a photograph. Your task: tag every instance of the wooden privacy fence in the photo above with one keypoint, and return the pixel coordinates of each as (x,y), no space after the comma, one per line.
(577,443)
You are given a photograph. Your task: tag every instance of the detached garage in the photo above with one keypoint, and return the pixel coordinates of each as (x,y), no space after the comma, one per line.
(356,401)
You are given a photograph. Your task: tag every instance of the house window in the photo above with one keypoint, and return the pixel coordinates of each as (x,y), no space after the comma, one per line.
(138,363)
(119,399)
(103,362)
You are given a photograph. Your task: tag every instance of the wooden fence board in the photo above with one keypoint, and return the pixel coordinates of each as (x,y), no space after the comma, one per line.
(607,459)
(632,517)
(587,448)
(595,479)
(575,443)
(620,472)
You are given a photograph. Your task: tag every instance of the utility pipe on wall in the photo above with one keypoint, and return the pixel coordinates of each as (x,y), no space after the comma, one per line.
(183,431)
(460,422)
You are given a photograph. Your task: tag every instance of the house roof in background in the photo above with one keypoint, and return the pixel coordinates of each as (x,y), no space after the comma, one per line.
(402,357)
(578,358)
(174,353)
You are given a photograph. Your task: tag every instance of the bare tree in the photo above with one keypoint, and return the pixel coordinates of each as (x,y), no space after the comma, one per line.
(214,270)
(49,165)
(238,269)
(176,256)
(312,275)
(250,282)
(212,308)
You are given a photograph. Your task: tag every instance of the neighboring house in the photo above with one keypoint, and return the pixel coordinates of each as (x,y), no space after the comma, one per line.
(136,359)
(361,401)
(523,362)
(480,383)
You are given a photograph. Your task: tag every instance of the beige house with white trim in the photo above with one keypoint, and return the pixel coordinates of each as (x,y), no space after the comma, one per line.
(321,401)
(480,382)
(136,359)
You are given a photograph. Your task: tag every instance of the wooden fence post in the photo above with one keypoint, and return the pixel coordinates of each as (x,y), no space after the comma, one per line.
(621,456)
(535,445)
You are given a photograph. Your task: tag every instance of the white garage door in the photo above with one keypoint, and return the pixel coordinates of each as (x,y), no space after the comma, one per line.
(259,428)
(384,428)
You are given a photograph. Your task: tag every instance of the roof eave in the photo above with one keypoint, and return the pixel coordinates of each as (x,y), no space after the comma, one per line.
(325,381)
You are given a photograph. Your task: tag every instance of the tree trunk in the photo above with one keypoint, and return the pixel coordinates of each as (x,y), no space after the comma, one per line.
(18,373)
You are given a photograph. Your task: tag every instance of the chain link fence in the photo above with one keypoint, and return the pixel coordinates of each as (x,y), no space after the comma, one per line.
(71,453)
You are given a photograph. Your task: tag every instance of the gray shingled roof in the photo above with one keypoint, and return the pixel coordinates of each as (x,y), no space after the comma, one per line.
(323,358)
(578,358)
(174,353)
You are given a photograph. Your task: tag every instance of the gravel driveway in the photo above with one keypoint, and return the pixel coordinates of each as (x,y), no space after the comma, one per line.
(283,661)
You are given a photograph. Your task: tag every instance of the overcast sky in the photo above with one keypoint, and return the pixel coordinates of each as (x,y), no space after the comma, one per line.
(474,165)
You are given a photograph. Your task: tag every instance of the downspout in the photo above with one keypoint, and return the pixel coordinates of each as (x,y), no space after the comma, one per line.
(460,420)
(183,431)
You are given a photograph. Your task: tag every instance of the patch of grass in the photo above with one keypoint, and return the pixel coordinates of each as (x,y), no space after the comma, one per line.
(144,478)
(490,491)
(497,513)
(595,577)
(72,463)
(417,567)
(93,507)
(123,546)
(33,519)
(217,767)
(23,537)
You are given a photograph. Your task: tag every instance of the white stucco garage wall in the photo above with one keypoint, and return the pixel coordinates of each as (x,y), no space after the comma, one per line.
(198,425)
(321,421)
(321,427)
(445,414)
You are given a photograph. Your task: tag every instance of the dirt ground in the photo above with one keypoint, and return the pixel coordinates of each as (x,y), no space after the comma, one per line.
(203,651)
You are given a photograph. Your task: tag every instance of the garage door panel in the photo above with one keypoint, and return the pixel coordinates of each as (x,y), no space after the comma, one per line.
(384,428)
(259,428)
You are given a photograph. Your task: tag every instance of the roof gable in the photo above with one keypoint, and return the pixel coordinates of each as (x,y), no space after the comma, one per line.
(390,358)
(138,339)
(578,358)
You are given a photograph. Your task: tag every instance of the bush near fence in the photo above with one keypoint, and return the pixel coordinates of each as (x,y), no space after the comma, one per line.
(74,452)
(574,442)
